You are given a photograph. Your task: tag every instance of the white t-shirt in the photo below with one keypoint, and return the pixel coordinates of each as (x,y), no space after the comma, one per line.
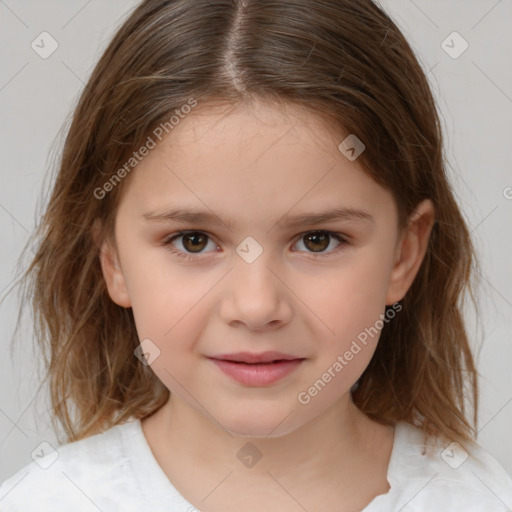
(116,471)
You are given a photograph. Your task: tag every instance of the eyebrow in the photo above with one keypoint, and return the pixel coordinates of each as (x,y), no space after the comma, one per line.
(194,216)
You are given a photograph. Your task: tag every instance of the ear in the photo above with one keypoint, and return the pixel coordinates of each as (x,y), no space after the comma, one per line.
(112,271)
(410,251)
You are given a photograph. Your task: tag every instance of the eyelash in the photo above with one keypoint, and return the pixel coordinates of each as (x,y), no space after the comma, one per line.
(189,256)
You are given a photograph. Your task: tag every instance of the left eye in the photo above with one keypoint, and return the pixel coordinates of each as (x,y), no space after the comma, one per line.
(194,241)
(318,241)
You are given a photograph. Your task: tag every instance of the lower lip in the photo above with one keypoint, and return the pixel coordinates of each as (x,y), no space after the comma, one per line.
(257,374)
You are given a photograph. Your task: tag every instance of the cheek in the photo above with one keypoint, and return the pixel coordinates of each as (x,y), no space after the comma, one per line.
(350,302)
(350,296)
(164,308)
(165,297)
(173,318)
(173,310)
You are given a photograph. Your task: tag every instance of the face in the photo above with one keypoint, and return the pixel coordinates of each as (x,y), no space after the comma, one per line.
(251,275)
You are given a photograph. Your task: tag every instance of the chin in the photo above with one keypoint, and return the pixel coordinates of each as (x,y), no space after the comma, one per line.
(257,424)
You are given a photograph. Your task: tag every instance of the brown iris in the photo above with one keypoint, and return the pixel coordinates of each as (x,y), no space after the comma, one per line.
(320,241)
(198,241)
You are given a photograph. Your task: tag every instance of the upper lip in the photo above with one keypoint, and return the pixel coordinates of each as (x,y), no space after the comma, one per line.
(262,357)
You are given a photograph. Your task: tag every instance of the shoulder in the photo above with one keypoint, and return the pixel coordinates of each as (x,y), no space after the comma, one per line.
(443,475)
(90,473)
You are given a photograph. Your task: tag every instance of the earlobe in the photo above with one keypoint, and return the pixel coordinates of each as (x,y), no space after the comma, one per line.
(113,274)
(410,251)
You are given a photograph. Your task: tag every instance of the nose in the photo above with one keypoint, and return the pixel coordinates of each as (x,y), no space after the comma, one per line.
(256,296)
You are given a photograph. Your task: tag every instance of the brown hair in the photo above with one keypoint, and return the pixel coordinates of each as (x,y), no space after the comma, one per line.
(345,61)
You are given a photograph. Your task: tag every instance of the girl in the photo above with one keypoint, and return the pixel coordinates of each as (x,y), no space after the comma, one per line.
(250,275)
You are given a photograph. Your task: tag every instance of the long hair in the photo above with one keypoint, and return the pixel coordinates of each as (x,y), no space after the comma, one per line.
(343,60)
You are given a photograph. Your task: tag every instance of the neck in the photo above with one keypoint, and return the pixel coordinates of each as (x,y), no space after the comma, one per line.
(337,448)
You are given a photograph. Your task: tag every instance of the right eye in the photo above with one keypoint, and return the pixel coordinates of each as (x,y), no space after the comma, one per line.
(193,241)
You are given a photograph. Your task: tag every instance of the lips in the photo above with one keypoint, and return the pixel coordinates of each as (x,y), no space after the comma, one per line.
(255,358)
(261,369)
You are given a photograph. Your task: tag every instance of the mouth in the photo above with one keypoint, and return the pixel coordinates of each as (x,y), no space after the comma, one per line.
(256,358)
(269,369)
(258,364)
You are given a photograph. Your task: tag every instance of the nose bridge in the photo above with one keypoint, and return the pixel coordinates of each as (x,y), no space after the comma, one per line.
(255,296)
(253,263)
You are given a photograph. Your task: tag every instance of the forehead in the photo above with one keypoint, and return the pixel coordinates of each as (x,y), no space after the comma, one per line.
(246,161)
(235,135)
(220,124)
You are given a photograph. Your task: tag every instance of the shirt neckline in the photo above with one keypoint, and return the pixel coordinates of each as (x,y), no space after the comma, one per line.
(153,483)
(406,457)
(157,489)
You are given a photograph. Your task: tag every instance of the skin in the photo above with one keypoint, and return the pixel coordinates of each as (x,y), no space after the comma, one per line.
(252,166)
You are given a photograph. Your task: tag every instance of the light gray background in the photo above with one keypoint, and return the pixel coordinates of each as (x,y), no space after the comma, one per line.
(474,93)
